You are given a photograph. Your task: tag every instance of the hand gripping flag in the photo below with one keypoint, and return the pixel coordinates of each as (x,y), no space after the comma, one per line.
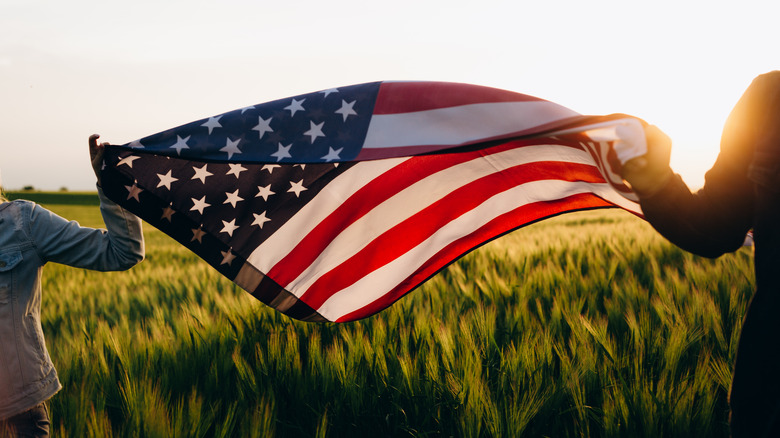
(330,206)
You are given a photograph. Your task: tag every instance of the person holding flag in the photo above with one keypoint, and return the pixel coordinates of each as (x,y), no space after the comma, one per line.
(31,236)
(741,192)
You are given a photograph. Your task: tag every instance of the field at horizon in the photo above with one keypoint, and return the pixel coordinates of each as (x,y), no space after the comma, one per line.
(584,325)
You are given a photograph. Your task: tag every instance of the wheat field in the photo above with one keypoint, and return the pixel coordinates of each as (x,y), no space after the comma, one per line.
(584,325)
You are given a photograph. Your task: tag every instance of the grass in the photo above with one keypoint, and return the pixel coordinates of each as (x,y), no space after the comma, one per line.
(56,198)
(584,325)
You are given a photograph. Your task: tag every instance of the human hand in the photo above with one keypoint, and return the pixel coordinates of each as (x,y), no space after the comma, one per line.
(96,154)
(647,174)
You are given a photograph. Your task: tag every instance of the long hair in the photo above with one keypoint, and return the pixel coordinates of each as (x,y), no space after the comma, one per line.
(2,193)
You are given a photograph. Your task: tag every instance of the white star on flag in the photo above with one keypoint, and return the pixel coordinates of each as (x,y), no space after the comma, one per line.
(133,191)
(296,105)
(260,219)
(329,91)
(128,160)
(231,147)
(168,213)
(233,198)
(181,143)
(332,155)
(235,169)
(166,180)
(212,122)
(229,227)
(265,192)
(283,152)
(314,131)
(199,204)
(201,173)
(346,109)
(227,257)
(197,234)
(263,126)
(270,167)
(297,188)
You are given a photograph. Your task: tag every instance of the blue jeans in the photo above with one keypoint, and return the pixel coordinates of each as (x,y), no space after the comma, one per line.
(33,424)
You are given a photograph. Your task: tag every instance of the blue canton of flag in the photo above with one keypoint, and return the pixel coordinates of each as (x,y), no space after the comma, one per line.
(325,126)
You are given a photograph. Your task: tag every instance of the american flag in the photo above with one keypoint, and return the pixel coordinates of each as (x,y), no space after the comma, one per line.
(330,206)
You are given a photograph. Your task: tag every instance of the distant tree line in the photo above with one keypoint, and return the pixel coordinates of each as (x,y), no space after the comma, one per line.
(32,189)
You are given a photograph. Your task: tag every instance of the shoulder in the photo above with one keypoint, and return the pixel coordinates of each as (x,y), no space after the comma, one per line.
(13,209)
(16,203)
(15,218)
(25,213)
(772,77)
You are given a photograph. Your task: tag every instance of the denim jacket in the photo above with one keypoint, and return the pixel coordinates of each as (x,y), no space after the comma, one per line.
(31,236)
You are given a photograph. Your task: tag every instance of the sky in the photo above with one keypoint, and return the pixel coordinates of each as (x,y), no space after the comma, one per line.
(126,70)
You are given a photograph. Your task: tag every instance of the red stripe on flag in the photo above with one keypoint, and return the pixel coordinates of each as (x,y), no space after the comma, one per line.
(523,215)
(367,198)
(406,97)
(419,227)
(356,206)
(595,149)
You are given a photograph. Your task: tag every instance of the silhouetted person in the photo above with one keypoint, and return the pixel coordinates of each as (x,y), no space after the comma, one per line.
(741,192)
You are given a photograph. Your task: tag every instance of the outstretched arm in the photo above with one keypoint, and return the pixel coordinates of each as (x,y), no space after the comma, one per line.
(118,247)
(710,222)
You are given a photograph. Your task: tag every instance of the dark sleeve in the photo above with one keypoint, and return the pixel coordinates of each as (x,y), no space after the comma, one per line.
(713,220)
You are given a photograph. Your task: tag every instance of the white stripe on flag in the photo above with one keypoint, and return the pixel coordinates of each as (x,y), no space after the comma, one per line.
(418,196)
(606,169)
(330,198)
(365,291)
(461,124)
